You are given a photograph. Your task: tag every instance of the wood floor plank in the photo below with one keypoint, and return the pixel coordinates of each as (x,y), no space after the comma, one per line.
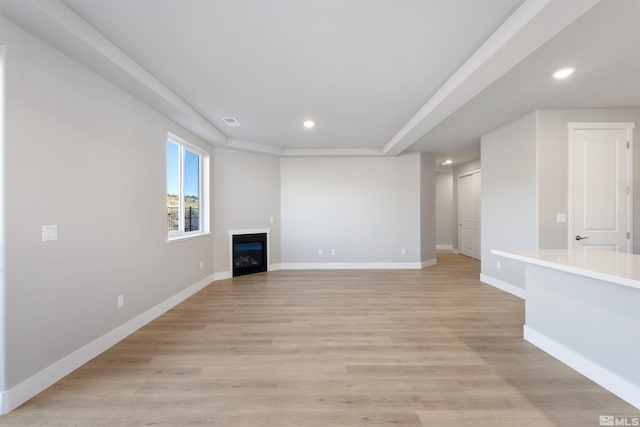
(415,348)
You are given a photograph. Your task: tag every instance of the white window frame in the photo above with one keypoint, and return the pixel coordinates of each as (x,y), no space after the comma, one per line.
(203,166)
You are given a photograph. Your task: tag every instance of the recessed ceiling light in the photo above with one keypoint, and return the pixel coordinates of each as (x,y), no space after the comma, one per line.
(563,73)
(309,124)
(446,162)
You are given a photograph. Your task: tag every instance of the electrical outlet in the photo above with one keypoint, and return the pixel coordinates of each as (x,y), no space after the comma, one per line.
(403,251)
(201,265)
(333,251)
(120,301)
(49,233)
(271,219)
(319,251)
(498,265)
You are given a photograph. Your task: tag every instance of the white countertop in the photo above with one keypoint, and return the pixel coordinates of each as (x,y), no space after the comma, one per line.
(614,267)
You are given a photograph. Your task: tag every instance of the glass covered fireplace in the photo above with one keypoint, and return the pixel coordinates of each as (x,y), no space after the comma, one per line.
(249,253)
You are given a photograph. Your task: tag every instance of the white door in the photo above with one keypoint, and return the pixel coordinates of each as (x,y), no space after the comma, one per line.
(600,186)
(469,214)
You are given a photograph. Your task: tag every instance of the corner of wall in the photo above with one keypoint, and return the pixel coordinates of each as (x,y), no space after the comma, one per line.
(503,286)
(536,138)
(509,186)
(427,213)
(3,298)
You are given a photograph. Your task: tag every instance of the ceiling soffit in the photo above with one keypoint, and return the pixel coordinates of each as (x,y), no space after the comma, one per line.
(534,23)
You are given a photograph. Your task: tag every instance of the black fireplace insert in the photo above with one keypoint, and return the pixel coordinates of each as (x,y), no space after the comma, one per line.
(249,253)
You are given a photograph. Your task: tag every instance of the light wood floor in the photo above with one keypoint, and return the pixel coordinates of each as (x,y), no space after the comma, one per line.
(330,348)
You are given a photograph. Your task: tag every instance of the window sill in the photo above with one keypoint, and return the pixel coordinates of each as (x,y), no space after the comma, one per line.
(187,237)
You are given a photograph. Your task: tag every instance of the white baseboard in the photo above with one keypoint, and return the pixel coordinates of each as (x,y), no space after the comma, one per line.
(339,266)
(504,286)
(455,251)
(447,247)
(25,390)
(275,267)
(350,265)
(428,263)
(615,384)
(222,275)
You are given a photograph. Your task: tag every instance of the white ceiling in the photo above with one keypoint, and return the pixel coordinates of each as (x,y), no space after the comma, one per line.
(360,69)
(378,77)
(604,46)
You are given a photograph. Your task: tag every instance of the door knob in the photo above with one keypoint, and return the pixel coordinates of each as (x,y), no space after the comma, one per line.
(581,238)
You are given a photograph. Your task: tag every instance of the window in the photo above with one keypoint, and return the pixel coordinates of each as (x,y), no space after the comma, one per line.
(186,207)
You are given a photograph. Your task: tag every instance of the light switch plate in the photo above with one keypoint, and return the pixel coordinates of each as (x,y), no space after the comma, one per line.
(561,217)
(49,233)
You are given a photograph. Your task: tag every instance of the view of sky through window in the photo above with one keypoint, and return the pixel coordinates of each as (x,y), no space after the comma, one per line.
(191,174)
(191,171)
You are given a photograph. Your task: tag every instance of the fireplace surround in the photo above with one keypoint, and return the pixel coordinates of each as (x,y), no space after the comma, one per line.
(248,251)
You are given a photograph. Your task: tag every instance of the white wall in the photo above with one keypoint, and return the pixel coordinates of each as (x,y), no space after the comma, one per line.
(3,299)
(84,155)
(445,227)
(553,154)
(532,153)
(509,197)
(427,209)
(246,194)
(367,209)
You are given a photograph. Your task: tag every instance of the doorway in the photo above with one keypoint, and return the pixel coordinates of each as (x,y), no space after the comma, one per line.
(469,185)
(600,186)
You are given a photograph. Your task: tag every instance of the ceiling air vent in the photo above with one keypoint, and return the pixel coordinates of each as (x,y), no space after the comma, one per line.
(231,122)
